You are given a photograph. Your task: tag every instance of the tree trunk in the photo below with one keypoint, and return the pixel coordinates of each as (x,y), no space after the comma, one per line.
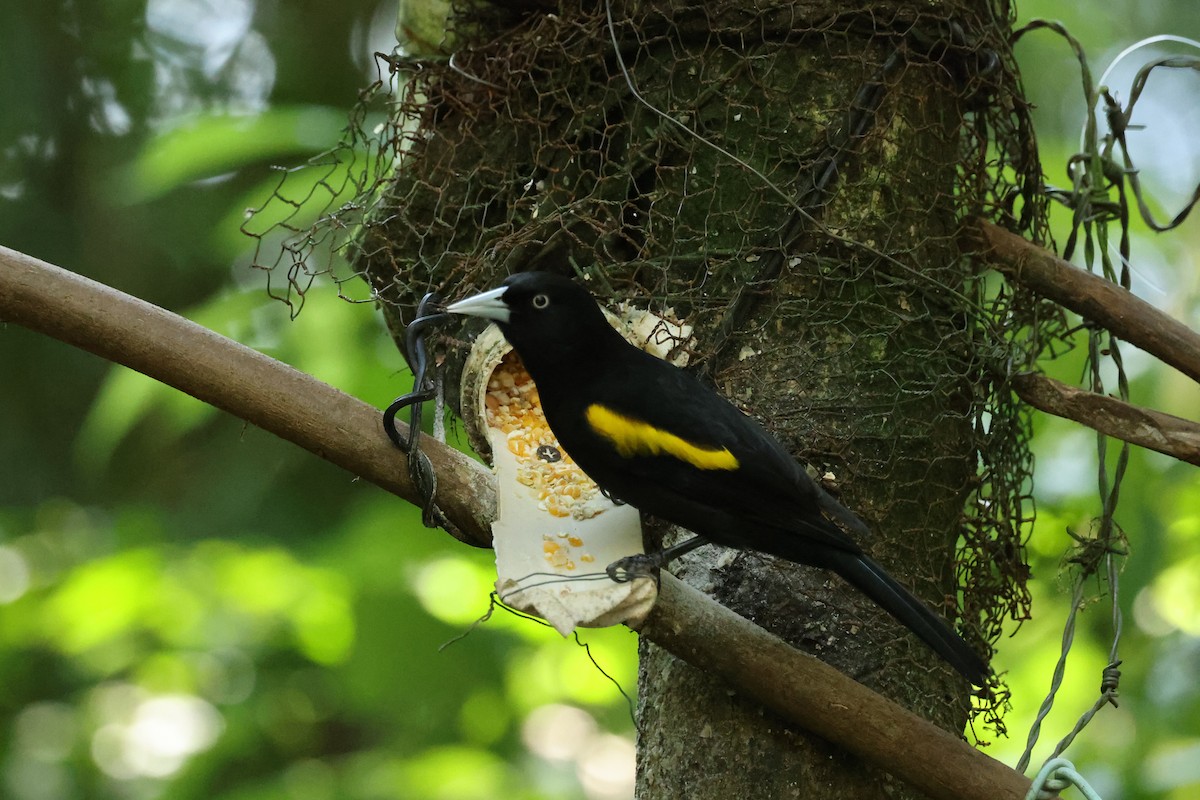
(845,329)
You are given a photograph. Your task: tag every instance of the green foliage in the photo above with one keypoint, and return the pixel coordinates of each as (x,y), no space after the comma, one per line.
(211,145)
(192,609)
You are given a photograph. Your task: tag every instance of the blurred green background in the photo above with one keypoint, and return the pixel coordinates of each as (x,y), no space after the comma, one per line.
(190,608)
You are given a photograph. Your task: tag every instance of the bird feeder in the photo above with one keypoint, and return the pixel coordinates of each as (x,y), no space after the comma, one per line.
(555,532)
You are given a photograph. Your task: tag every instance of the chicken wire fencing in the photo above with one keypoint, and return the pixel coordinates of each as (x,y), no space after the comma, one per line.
(792,179)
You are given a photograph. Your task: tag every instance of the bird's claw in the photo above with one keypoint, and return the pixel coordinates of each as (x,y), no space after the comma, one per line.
(626,569)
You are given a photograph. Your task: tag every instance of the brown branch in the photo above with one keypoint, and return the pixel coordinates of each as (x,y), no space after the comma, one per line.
(815,696)
(234,378)
(1093,298)
(1173,436)
(336,427)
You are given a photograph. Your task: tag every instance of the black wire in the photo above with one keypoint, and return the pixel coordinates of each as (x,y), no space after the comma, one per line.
(419,468)
(415,355)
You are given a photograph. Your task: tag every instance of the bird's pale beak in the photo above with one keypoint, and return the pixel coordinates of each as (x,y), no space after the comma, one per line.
(488,305)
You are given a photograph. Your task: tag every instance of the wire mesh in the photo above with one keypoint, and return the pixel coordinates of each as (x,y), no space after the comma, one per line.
(791,178)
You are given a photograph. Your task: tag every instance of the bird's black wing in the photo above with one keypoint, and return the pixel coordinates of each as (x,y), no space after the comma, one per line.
(767,489)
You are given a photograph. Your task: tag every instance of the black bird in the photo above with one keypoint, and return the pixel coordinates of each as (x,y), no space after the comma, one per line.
(657,438)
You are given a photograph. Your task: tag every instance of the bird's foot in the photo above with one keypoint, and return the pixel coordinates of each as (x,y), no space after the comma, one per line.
(641,565)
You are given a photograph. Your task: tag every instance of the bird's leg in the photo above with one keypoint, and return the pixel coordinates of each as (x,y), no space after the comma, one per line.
(641,565)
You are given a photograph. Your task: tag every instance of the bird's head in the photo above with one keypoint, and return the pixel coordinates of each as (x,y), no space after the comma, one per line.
(544,316)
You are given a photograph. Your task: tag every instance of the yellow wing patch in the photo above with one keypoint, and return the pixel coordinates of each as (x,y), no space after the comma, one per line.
(633,437)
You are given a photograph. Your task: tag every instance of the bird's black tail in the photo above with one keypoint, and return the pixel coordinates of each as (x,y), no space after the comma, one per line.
(871,579)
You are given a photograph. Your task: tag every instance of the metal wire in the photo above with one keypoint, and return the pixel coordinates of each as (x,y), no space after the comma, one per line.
(424,389)
(1098,198)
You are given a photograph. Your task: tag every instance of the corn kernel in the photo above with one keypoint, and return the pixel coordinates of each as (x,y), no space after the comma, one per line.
(513,407)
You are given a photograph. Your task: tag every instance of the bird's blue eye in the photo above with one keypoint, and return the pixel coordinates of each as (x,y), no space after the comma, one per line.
(540,301)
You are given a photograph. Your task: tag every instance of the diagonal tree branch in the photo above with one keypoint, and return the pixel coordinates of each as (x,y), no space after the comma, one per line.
(813,695)
(1118,310)
(1154,430)
(236,379)
(1093,298)
(347,432)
